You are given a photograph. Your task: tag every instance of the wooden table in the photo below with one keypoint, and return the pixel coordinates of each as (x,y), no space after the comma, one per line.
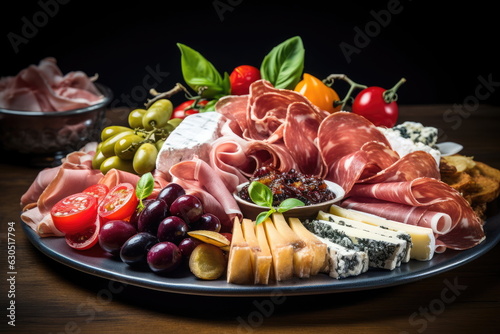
(52,298)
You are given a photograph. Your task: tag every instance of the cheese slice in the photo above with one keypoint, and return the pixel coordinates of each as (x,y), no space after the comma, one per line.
(318,248)
(344,262)
(260,233)
(371,228)
(383,252)
(193,137)
(262,258)
(422,238)
(282,251)
(302,255)
(239,267)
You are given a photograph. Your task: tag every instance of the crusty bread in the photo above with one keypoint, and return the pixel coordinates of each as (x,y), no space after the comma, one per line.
(478,182)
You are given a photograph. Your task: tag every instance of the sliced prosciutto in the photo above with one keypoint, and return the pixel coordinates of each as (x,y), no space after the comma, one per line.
(425,202)
(198,178)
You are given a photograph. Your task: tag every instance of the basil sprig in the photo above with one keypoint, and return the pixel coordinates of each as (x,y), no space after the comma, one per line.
(144,188)
(261,195)
(201,75)
(284,64)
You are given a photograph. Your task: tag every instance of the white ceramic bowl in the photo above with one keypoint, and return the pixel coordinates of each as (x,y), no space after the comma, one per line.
(251,210)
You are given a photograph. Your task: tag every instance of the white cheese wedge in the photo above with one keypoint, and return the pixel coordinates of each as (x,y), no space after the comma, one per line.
(282,251)
(383,252)
(422,238)
(262,258)
(239,266)
(371,228)
(302,255)
(193,137)
(319,248)
(344,262)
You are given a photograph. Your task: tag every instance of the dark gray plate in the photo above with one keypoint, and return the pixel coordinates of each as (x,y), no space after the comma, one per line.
(97,262)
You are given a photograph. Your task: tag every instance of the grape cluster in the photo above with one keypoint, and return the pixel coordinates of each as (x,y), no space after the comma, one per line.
(134,148)
(156,237)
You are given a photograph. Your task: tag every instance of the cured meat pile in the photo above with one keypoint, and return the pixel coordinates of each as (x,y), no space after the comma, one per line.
(45,88)
(282,129)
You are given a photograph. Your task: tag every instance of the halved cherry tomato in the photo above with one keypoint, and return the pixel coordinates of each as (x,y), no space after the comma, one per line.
(120,202)
(242,77)
(86,238)
(74,213)
(187,108)
(99,191)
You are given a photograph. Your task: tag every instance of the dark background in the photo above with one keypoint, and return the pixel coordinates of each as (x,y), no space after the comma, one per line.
(441,51)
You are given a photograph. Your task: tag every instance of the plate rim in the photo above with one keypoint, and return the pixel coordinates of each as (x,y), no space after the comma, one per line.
(320,284)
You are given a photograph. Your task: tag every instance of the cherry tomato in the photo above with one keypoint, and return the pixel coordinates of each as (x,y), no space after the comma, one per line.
(318,93)
(99,191)
(187,108)
(370,103)
(74,213)
(242,77)
(120,202)
(86,238)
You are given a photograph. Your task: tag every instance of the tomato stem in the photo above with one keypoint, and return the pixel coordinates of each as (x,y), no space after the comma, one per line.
(352,86)
(390,95)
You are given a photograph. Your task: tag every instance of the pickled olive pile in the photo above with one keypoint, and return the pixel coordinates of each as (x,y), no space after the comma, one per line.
(134,148)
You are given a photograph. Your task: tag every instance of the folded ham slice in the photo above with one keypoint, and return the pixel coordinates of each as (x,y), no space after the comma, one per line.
(43,87)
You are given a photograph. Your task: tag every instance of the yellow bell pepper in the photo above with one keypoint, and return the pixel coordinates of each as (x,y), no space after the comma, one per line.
(318,93)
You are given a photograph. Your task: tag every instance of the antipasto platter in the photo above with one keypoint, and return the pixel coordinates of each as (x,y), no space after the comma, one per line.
(341,200)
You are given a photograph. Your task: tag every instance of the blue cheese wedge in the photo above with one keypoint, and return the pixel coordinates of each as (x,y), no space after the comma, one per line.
(344,262)
(412,136)
(422,238)
(193,137)
(383,252)
(405,256)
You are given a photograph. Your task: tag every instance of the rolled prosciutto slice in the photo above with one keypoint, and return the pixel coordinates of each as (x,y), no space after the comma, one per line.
(425,202)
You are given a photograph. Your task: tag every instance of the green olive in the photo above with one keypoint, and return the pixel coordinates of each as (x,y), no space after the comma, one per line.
(157,115)
(125,147)
(108,146)
(97,159)
(117,163)
(159,144)
(135,118)
(145,158)
(175,122)
(112,130)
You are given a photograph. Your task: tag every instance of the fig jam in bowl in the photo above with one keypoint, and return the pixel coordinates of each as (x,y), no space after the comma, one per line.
(42,139)
(317,194)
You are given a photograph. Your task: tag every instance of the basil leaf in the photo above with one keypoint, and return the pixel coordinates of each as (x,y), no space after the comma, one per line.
(144,188)
(261,217)
(260,194)
(289,203)
(199,73)
(283,66)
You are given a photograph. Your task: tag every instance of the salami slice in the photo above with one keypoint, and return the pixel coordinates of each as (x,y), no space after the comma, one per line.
(300,132)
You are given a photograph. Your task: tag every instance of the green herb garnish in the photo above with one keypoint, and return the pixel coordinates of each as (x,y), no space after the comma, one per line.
(144,188)
(261,195)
